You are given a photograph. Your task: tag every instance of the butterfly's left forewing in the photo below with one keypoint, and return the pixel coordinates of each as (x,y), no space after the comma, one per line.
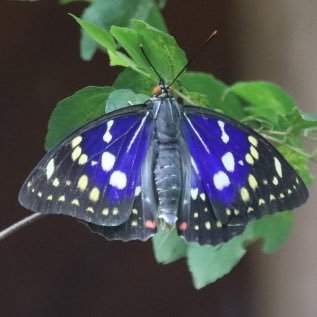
(93,175)
(237,176)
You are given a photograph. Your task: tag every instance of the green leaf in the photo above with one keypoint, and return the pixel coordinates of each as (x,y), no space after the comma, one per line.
(106,13)
(162,50)
(264,98)
(105,40)
(168,247)
(298,161)
(73,112)
(208,263)
(134,81)
(121,98)
(214,90)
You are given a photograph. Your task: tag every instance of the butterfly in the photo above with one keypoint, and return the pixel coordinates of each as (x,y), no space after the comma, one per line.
(159,166)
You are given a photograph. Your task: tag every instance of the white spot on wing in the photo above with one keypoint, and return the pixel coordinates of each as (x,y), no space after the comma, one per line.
(221,180)
(194,193)
(137,191)
(241,162)
(107,161)
(228,161)
(50,168)
(93,163)
(107,137)
(118,179)
(224,136)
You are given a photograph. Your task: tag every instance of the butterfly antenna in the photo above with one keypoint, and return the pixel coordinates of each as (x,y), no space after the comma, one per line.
(156,72)
(194,56)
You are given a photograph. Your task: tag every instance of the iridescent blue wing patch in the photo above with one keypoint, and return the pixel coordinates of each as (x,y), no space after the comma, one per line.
(93,174)
(237,177)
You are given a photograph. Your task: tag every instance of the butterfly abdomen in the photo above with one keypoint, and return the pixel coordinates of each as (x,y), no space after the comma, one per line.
(167,171)
(167,174)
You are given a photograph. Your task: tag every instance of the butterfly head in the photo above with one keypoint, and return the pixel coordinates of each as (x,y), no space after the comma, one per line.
(162,90)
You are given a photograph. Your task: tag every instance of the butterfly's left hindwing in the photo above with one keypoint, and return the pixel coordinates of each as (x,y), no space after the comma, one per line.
(237,176)
(93,175)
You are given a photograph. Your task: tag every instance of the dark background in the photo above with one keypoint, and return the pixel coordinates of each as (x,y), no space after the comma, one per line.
(56,267)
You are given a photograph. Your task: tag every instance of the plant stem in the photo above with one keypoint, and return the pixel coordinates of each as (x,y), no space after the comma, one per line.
(295,149)
(19,225)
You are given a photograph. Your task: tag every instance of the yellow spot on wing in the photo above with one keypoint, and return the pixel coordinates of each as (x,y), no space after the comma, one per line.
(218,224)
(275,180)
(207,225)
(228,211)
(289,191)
(68,183)
(236,212)
(75,202)
(94,194)
(134,211)
(203,197)
(249,159)
(56,182)
(82,182)
(61,198)
(76,141)
(50,197)
(105,212)
(252,182)
(83,159)
(244,194)
(261,201)
(115,211)
(253,140)
(76,153)
(250,209)
(272,197)
(90,209)
(195,214)
(196,227)
(278,167)
(134,223)
(39,194)
(254,152)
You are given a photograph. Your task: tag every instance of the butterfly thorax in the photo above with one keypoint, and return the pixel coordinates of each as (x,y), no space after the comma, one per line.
(167,165)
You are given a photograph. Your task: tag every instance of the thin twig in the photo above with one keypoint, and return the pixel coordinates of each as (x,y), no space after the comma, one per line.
(19,225)
(295,149)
